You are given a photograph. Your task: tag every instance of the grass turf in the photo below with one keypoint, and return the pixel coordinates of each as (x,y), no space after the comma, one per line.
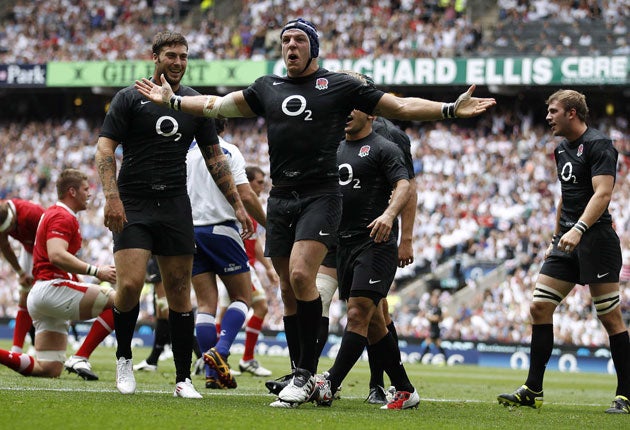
(459,397)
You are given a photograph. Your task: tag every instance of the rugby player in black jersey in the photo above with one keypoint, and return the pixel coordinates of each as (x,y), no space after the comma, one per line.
(147,207)
(326,280)
(306,113)
(584,250)
(370,168)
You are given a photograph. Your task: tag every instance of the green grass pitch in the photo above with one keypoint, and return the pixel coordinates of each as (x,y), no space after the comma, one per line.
(459,397)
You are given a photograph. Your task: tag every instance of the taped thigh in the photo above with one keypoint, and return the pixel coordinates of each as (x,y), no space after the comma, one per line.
(606,302)
(544,293)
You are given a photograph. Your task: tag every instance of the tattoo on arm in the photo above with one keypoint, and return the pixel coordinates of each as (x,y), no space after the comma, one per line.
(219,168)
(106,165)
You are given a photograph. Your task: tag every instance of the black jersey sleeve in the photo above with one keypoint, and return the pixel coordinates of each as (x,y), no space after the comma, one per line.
(603,158)
(253,97)
(392,162)
(393,133)
(116,121)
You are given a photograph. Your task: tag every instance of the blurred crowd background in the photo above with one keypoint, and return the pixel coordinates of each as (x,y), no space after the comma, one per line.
(74,30)
(487,189)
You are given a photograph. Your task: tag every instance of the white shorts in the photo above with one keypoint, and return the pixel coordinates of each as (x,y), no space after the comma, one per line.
(53,303)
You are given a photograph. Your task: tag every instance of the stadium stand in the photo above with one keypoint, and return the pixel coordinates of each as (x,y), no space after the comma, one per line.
(486,188)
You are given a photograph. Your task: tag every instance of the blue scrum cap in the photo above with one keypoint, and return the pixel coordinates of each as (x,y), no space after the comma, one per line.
(308,28)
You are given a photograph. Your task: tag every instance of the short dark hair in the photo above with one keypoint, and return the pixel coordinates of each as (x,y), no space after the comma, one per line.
(69,178)
(167,38)
(251,172)
(220,124)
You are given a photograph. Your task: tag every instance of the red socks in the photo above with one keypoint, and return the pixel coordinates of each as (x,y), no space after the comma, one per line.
(21,363)
(23,323)
(101,328)
(252,330)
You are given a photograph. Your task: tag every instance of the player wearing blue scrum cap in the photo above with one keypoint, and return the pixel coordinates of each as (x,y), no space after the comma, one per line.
(306,113)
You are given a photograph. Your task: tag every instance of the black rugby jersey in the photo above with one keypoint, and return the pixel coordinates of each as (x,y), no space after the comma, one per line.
(368,169)
(393,133)
(577,162)
(155,141)
(435,311)
(305,119)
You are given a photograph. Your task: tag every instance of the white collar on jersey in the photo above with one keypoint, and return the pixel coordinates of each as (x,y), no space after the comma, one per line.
(65,206)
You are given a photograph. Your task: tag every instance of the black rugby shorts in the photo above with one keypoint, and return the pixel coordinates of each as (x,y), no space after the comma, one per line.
(162,226)
(597,258)
(294,218)
(366,266)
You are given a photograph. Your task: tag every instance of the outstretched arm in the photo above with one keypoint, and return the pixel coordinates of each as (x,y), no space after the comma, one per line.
(417,109)
(233,105)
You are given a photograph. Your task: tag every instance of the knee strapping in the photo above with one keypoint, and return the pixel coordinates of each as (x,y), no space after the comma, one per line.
(100,301)
(606,303)
(51,356)
(544,293)
(326,285)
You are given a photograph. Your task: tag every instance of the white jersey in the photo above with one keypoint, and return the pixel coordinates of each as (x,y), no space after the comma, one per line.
(209,205)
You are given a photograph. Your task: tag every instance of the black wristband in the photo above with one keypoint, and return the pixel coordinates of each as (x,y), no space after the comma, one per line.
(175,102)
(451,110)
(448,110)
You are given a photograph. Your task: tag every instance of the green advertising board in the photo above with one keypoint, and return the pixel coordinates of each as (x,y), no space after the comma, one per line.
(516,71)
(490,71)
(124,73)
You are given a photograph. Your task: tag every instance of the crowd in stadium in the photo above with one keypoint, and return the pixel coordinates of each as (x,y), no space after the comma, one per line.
(77,30)
(488,191)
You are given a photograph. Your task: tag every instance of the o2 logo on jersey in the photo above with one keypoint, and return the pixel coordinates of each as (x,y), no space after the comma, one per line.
(163,122)
(346,176)
(295,105)
(567,173)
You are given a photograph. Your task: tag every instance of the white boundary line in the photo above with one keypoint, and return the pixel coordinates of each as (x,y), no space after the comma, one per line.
(270,396)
